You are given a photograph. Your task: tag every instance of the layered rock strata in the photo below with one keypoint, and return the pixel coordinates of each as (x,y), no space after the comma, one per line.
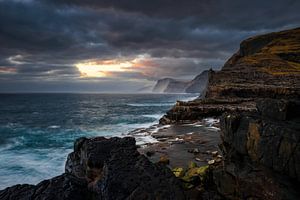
(256,97)
(266,66)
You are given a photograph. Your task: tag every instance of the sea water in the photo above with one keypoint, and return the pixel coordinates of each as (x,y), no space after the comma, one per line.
(37,131)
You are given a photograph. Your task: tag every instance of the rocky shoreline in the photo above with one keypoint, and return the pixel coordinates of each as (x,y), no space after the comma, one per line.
(256,98)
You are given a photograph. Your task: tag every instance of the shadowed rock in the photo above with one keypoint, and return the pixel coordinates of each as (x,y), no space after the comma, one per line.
(65,186)
(261,153)
(101,168)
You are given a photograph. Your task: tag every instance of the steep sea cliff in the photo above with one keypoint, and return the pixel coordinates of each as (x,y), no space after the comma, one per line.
(256,98)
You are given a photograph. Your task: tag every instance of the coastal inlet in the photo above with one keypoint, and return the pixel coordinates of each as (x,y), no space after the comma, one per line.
(38,130)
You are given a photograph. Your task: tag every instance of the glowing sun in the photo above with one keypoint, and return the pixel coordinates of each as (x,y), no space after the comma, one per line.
(102,68)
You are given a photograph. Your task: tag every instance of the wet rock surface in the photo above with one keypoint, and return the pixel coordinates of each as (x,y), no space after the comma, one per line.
(184,143)
(189,148)
(187,112)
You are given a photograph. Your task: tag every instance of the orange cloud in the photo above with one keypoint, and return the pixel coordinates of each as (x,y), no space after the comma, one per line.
(7,70)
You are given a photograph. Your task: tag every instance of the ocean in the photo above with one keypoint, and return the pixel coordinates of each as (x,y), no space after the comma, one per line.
(37,131)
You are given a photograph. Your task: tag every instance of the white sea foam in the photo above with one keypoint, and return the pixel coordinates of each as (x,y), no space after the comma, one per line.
(30,168)
(213,128)
(145,140)
(155,116)
(190,133)
(150,104)
(190,98)
(54,126)
(37,149)
(211,121)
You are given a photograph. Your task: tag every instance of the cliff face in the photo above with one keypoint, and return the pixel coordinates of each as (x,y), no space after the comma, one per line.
(261,150)
(265,66)
(169,85)
(199,83)
(256,97)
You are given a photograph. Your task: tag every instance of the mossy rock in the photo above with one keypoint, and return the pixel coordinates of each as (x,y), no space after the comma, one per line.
(198,171)
(164,160)
(178,172)
(192,165)
(193,177)
(188,186)
(190,179)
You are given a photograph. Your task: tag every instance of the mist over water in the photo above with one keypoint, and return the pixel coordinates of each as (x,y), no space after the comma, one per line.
(37,131)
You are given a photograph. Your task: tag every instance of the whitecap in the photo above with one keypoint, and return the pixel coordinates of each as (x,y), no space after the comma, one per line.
(211,121)
(54,126)
(145,140)
(213,128)
(155,116)
(190,133)
(190,98)
(150,104)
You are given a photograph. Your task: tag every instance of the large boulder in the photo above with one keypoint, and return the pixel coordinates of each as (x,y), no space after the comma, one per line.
(106,169)
(65,186)
(116,170)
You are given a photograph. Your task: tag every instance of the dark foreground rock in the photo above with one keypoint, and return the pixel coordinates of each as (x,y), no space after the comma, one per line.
(101,168)
(262,151)
(65,186)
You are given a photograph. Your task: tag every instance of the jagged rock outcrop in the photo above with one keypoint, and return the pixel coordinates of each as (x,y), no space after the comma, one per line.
(65,186)
(101,168)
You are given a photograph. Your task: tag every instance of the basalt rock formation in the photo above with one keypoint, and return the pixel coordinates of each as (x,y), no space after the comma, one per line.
(266,66)
(256,97)
(101,168)
(262,151)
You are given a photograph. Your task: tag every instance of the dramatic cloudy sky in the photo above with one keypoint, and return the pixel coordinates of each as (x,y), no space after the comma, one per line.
(123,45)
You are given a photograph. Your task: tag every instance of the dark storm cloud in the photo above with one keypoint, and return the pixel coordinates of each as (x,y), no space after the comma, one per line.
(43,40)
(236,14)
